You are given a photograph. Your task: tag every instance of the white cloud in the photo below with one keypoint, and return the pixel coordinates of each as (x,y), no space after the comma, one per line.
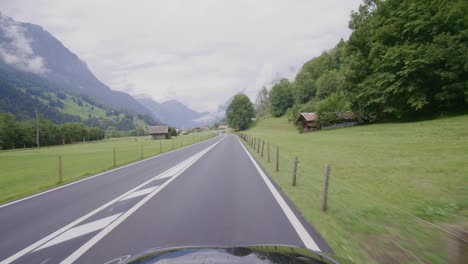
(200,52)
(16,50)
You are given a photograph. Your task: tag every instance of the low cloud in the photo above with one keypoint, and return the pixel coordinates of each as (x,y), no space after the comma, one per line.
(198,52)
(16,50)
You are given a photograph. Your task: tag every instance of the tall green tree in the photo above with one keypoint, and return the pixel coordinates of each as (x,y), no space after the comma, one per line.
(281,98)
(408,58)
(240,112)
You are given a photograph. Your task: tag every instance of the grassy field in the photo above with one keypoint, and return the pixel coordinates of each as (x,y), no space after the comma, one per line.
(397,190)
(27,171)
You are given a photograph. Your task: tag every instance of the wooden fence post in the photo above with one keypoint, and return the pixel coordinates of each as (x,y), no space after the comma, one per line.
(294,172)
(60,168)
(142,151)
(268,151)
(258,146)
(325,187)
(172,143)
(114,155)
(263,146)
(277,158)
(255,143)
(160,146)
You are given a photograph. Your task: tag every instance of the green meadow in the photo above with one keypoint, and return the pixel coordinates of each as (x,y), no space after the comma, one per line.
(398,192)
(27,171)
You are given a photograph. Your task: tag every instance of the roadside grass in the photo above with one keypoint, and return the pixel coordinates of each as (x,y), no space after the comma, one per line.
(27,171)
(396,190)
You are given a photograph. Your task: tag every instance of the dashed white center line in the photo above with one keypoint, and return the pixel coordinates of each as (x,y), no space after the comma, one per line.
(80,231)
(139,193)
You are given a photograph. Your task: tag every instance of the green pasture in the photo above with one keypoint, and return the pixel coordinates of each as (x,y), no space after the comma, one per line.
(398,191)
(27,171)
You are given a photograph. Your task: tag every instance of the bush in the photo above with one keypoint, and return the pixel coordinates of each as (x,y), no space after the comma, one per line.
(328,109)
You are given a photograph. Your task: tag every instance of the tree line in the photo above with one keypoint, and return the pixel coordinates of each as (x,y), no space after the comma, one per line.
(404,60)
(19,134)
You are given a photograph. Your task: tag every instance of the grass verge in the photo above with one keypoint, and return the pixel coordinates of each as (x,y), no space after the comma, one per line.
(397,190)
(28,171)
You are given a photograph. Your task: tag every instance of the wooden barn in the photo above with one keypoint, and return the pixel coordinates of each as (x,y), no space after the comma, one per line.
(309,121)
(159,132)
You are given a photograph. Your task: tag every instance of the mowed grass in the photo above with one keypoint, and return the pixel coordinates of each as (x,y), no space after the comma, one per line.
(27,171)
(397,190)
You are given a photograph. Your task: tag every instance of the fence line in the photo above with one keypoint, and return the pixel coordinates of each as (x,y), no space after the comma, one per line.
(335,190)
(372,198)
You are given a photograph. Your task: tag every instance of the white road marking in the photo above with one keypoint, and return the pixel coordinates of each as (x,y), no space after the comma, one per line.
(83,218)
(80,231)
(97,175)
(79,252)
(300,229)
(139,193)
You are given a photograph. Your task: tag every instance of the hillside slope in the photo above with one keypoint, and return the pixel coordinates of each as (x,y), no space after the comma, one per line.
(173,113)
(35,67)
(396,190)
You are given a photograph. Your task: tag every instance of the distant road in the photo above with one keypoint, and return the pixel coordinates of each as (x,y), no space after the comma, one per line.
(209,194)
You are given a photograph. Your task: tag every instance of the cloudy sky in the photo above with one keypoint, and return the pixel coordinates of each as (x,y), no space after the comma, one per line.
(198,52)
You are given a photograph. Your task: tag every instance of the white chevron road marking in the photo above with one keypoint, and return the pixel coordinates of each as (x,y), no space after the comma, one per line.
(80,231)
(139,193)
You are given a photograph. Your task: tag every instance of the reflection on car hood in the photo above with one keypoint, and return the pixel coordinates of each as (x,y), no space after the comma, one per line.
(257,254)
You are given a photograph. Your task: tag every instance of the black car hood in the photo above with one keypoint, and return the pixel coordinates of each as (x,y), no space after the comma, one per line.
(257,254)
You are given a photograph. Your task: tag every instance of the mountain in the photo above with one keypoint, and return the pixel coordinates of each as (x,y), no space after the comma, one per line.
(37,72)
(173,113)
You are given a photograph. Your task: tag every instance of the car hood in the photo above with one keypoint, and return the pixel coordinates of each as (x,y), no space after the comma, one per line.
(256,254)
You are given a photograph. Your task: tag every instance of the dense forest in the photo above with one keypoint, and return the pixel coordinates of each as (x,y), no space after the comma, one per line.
(19,134)
(404,60)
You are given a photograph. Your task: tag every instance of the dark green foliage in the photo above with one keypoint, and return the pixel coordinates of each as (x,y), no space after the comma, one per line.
(23,133)
(281,98)
(240,112)
(172,132)
(408,58)
(329,82)
(328,110)
(404,60)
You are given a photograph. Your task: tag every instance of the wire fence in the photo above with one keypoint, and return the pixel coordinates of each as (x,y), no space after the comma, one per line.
(362,223)
(26,171)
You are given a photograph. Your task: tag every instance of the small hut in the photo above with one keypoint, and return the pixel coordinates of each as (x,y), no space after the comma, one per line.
(159,132)
(309,121)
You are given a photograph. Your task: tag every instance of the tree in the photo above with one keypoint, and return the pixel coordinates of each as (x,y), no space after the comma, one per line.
(240,112)
(408,58)
(172,132)
(281,98)
(328,83)
(262,101)
(8,130)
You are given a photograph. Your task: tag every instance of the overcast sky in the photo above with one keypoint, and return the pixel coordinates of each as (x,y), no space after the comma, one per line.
(198,52)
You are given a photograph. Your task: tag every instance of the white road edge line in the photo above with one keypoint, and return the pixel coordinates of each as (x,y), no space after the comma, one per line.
(81,219)
(300,229)
(97,175)
(80,251)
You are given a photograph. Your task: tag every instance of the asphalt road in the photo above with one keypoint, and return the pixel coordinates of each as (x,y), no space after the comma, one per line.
(209,194)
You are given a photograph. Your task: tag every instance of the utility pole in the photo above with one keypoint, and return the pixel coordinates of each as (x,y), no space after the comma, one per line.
(37,129)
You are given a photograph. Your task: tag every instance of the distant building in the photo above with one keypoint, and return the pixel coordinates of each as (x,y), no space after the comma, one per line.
(159,132)
(223,127)
(309,121)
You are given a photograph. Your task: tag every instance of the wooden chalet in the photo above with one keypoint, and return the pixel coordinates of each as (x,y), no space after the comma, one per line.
(309,121)
(159,132)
